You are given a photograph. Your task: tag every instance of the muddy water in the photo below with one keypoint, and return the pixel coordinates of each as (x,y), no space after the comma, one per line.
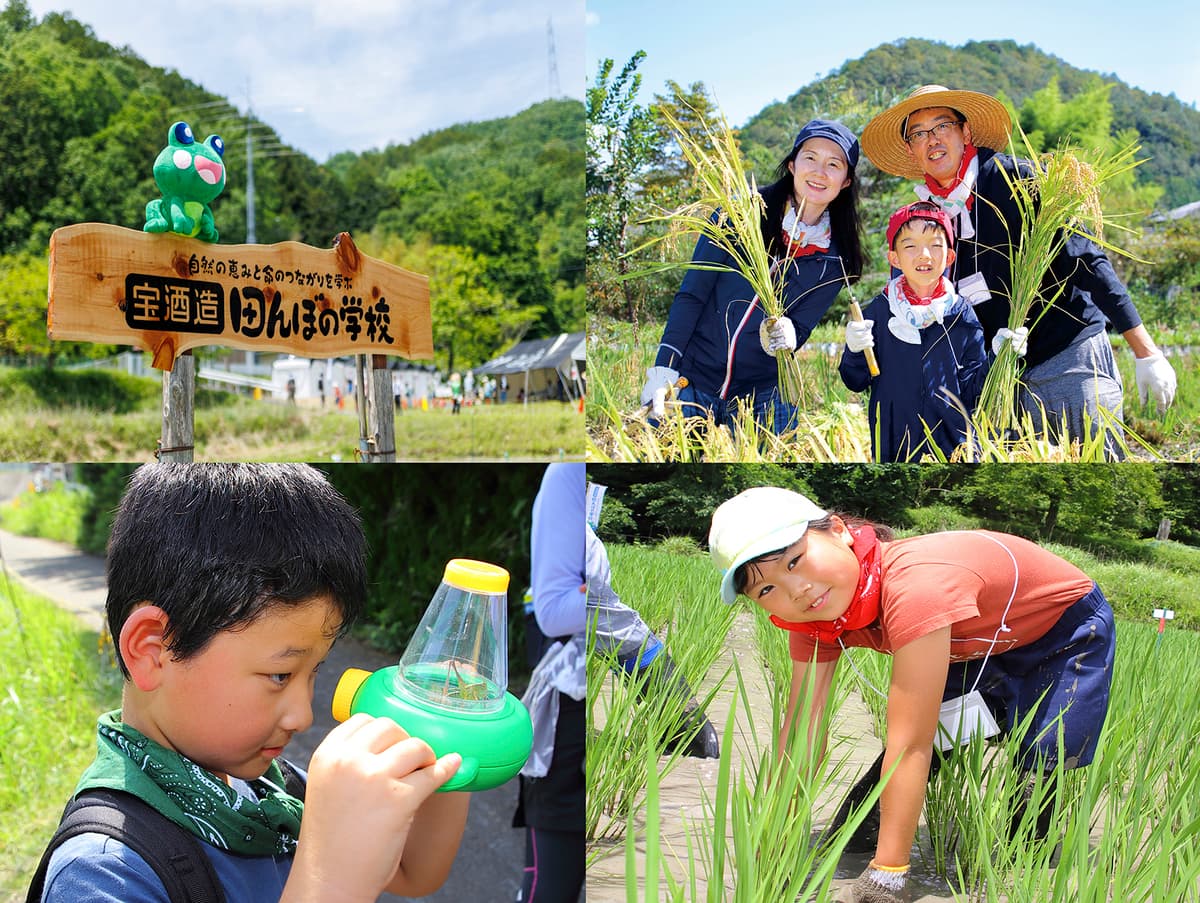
(683,790)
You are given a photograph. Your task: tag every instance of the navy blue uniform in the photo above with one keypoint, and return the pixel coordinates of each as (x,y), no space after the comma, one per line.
(711,336)
(906,397)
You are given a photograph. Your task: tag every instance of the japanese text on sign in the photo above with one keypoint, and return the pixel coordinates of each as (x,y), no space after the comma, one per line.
(184,305)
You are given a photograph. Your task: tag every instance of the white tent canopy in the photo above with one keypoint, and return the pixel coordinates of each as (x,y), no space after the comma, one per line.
(540,366)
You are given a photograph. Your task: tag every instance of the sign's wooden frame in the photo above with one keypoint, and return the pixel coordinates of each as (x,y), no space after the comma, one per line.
(167,294)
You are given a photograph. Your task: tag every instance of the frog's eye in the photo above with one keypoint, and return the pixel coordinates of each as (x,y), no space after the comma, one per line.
(183,133)
(217,144)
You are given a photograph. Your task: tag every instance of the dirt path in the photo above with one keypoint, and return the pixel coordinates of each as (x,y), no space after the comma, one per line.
(682,791)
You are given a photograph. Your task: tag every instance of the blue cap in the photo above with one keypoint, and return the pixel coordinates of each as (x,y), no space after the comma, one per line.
(835,132)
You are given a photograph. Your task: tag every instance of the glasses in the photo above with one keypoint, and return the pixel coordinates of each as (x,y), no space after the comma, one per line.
(939,131)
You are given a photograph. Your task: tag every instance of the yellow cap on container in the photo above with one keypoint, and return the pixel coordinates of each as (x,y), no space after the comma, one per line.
(476,576)
(346,690)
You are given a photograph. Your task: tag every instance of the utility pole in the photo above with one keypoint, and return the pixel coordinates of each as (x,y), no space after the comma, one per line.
(555,88)
(251,236)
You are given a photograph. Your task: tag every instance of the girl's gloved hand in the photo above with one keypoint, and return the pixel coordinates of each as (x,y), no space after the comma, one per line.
(778,336)
(657,378)
(882,884)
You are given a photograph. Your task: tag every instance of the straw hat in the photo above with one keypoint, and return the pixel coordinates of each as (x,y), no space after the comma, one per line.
(883,138)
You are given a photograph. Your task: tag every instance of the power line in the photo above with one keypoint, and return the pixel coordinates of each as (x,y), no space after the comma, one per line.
(261,141)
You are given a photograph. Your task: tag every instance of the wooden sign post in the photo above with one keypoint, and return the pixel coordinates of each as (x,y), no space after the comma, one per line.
(168,294)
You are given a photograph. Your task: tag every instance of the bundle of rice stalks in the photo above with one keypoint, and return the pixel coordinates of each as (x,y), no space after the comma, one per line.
(729,213)
(1058,197)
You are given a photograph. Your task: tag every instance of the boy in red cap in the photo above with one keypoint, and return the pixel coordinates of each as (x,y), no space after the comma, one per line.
(927,340)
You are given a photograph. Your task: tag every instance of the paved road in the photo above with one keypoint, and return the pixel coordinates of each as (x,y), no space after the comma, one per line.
(491,857)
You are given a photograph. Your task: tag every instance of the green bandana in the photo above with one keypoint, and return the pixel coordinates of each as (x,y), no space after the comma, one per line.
(195,799)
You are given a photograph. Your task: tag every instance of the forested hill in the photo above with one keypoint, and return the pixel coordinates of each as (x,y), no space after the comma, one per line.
(81,123)
(1169,130)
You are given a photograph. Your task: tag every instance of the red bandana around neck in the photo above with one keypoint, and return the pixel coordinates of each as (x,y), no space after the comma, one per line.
(913,298)
(935,188)
(864,607)
(795,249)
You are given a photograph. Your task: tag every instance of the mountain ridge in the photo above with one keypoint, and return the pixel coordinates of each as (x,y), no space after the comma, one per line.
(1168,128)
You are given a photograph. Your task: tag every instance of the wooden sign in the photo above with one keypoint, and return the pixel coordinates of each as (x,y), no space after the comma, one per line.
(166,294)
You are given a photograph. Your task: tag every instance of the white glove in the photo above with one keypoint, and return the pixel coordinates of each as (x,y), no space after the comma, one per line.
(1019,338)
(779,336)
(859,336)
(1155,378)
(657,378)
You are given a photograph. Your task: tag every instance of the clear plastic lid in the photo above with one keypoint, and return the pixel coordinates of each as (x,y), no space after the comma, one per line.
(457,658)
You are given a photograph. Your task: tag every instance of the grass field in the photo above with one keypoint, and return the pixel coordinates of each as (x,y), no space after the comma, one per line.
(54,680)
(833,419)
(99,421)
(736,829)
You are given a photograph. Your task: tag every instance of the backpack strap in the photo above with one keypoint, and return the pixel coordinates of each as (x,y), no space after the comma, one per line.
(175,855)
(293,783)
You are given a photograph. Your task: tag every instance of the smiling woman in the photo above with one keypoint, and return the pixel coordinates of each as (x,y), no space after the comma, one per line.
(762,275)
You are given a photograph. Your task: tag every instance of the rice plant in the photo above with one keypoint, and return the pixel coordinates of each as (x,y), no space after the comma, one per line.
(1126,827)
(729,212)
(827,429)
(1058,199)
(627,712)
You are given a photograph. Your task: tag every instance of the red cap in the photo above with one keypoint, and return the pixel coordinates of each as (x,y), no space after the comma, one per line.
(919,210)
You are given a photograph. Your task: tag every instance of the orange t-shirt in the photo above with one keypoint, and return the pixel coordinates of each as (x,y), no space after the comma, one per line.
(964,579)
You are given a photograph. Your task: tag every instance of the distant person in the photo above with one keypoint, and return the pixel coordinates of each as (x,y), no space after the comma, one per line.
(503,388)
(337,396)
(219,636)
(953,142)
(551,806)
(291,390)
(321,389)
(926,340)
(716,334)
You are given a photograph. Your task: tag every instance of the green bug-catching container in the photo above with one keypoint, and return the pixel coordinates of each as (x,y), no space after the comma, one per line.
(450,688)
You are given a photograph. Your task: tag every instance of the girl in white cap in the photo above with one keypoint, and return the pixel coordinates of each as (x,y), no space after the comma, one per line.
(987,617)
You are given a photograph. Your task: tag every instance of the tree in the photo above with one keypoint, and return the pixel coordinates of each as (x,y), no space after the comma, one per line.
(471,319)
(1086,500)
(621,138)
(1085,122)
(669,176)
(16,17)
(678,500)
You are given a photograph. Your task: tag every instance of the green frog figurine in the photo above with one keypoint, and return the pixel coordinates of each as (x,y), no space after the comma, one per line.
(189,175)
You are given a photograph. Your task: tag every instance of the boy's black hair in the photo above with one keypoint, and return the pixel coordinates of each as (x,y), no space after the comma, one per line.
(216,545)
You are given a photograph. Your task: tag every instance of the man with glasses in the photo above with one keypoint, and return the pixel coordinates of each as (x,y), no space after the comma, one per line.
(953,141)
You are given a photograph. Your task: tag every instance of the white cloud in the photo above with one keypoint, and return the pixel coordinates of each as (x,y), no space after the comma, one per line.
(367,72)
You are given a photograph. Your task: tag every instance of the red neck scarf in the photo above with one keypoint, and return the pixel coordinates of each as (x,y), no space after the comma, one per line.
(935,188)
(913,298)
(864,607)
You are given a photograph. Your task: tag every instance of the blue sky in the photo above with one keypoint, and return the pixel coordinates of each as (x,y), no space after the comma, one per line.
(773,48)
(332,75)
